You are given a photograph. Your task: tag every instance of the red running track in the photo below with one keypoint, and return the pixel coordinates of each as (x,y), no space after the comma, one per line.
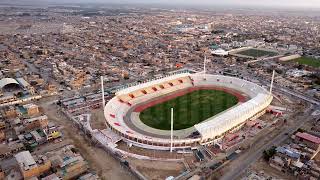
(140,108)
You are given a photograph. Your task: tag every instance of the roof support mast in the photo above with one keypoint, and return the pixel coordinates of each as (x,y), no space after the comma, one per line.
(171,143)
(272,80)
(204,67)
(102,91)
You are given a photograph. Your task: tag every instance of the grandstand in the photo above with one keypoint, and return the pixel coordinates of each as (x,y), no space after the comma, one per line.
(118,110)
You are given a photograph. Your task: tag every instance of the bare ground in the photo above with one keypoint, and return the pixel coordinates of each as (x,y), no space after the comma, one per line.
(158,169)
(262,167)
(97,119)
(99,160)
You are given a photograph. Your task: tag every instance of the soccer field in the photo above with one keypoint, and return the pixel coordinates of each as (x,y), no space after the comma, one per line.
(189,109)
(257,53)
(309,61)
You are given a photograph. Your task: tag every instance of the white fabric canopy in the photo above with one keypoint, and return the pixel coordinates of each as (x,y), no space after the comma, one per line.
(218,125)
(6,81)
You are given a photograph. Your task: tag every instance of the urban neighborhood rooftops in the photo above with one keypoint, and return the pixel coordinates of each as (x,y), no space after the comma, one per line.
(308,137)
(288,152)
(25,160)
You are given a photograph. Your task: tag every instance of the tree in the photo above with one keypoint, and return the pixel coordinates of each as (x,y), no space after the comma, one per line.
(267,154)
(300,130)
(19,94)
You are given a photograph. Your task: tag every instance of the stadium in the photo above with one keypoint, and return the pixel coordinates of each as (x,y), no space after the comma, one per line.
(204,108)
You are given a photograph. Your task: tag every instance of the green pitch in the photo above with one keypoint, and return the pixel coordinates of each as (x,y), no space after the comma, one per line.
(309,61)
(189,109)
(257,53)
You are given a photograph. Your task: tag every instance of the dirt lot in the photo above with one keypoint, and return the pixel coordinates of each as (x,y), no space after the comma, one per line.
(157,169)
(103,164)
(262,167)
(150,153)
(97,119)
(150,169)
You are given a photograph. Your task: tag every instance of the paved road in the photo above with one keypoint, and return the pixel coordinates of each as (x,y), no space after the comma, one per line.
(290,92)
(306,98)
(293,93)
(255,153)
(52,146)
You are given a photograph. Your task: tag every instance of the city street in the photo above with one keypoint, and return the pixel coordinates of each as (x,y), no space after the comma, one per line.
(239,165)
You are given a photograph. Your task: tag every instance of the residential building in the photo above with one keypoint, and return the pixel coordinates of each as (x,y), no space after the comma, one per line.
(31,167)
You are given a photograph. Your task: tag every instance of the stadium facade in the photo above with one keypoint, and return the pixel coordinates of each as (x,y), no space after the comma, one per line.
(209,131)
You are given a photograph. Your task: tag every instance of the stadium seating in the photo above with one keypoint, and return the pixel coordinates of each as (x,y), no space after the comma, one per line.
(156,90)
(243,86)
(117,108)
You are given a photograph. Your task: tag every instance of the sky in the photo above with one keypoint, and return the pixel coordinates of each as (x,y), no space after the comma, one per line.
(261,3)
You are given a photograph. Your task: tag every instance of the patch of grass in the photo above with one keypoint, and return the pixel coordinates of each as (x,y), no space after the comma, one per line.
(309,61)
(257,53)
(189,109)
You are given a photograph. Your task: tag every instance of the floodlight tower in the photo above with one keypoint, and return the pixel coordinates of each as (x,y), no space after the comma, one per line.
(204,67)
(171,142)
(272,80)
(102,91)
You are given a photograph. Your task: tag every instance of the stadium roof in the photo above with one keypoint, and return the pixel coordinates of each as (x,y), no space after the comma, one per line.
(7,81)
(220,124)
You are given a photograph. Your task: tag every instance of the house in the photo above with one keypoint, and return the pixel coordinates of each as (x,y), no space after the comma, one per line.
(288,154)
(309,140)
(2,125)
(39,136)
(51,177)
(285,157)
(31,109)
(10,112)
(2,136)
(36,122)
(32,166)
(68,162)
(277,163)
(1,174)
(7,150)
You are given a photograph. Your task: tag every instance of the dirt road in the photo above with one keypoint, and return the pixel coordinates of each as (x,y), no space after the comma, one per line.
(99,160)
